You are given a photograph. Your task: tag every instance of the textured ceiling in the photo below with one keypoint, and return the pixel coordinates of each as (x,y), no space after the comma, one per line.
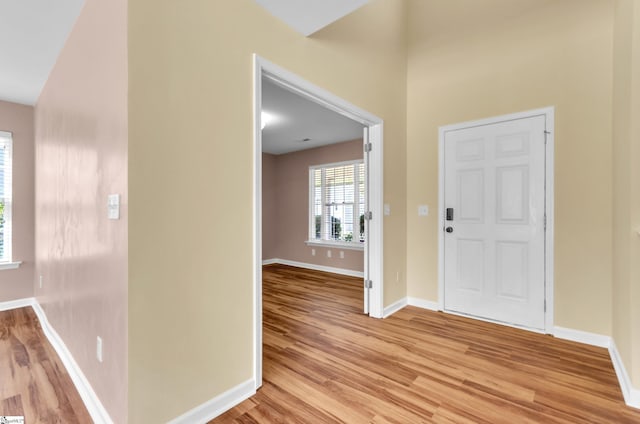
(295,118)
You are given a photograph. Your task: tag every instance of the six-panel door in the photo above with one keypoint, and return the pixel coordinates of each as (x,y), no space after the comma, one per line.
(494,255)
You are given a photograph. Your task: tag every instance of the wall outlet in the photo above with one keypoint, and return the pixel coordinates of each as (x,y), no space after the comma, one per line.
(313,252)
(342,254)
(40,279)
(423,210)
(328,253)
(99,349)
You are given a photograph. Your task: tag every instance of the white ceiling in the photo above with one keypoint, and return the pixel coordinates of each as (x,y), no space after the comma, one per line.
(32,34)
(296,118)
(309,16)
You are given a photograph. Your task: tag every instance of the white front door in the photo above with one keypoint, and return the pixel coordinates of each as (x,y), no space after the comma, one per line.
(494,240)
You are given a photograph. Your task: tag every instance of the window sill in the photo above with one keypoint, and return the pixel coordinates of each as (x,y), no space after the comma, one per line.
(335,244)
(9,265)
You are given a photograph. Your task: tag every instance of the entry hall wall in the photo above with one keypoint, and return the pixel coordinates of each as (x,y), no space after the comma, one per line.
(191,159)
(464,64)
(626,182)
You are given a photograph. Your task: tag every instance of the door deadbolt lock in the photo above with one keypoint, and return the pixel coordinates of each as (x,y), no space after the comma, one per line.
(449,229)
(449,214)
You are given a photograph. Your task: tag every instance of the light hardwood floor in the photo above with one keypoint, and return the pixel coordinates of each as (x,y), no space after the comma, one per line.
(325,362)
(33,380)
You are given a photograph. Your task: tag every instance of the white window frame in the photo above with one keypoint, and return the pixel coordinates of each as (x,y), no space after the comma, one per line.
(6,148)
(312,241)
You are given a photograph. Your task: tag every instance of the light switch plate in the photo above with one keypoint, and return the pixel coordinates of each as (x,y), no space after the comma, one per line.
(99,348)
(113,206)
(387,209)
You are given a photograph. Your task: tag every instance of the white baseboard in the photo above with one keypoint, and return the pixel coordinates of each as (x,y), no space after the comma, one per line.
(582,337)
(630,393)
(207,411)
(18,303)
(424,304)
(394,307)
(314,267)
(411,301)
(97,411)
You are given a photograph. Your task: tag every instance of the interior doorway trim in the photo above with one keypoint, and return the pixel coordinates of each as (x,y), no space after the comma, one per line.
(296,84)
(548,113)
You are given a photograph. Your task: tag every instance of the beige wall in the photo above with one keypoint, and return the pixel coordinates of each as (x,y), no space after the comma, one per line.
(626,183)
(635,199)
(190,112)
(471,60)
(81,157)
(289,223)
(18,283)
(190,310)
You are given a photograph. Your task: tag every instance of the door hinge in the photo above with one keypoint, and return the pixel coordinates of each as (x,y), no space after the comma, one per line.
(367,147)
(546,133)
(545,305)
(368,216)
(545,222)
(368,284)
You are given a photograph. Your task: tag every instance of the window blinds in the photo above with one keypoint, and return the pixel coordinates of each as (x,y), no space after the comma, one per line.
(338,202)
(5,195)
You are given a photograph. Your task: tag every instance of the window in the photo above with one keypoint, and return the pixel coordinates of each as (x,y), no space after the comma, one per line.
(337,204)
(5,196)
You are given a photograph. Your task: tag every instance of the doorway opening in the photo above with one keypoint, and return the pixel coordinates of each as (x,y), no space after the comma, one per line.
(372,214)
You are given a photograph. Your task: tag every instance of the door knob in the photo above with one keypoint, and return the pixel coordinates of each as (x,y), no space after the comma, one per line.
(449,229)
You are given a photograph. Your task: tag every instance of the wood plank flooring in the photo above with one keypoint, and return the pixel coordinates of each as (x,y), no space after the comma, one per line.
(33,380)
(325,362)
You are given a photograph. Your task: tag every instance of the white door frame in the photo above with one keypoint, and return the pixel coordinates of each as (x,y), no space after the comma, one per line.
(548,113)
(296,84)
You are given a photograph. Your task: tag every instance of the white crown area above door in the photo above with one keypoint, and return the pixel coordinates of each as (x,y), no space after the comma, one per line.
(310,16)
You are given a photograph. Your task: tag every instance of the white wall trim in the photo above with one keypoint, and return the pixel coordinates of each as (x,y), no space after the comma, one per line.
(549,243)
(548,113)
(394,307)
(18,303)
(424,304)
(410,301)
(341,271)
(97,411)
(257,222)
(10,265)
(579,336)
(631,394)
(207,411)
(344,245)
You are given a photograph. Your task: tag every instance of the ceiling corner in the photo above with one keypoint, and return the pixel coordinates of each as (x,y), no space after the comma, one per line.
(308,17)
